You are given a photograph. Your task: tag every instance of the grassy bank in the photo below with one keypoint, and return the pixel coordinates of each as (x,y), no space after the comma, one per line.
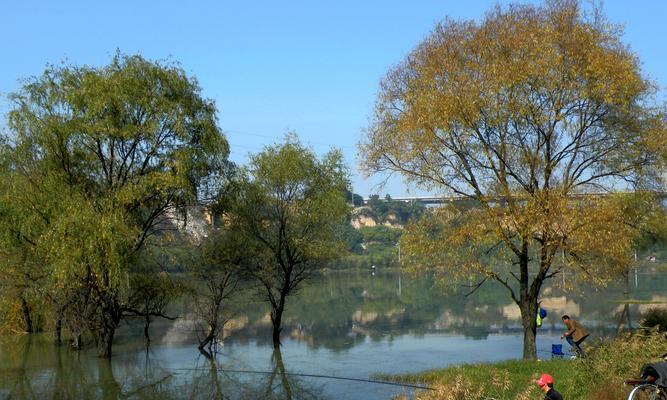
(598,377)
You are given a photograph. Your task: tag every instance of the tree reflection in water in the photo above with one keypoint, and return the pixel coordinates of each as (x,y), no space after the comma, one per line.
(274,383)
(20,386)
(40,371)
(337,313)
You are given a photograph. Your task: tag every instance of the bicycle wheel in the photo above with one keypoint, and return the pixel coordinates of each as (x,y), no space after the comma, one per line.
(647,392)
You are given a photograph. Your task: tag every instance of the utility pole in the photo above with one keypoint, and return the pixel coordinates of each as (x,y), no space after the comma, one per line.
(398,244)
(562,273)
(636,281)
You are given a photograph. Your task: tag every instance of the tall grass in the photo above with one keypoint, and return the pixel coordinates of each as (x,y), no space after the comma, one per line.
(600,376)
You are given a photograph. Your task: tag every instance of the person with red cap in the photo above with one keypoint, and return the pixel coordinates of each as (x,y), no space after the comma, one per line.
(546,383)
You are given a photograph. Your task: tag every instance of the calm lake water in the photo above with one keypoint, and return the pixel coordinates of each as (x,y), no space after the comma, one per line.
(339,332)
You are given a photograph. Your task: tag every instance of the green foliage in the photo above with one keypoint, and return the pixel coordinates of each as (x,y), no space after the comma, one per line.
(353,238)
(356,200)
(291,205)
(291,200)
(99,159)
(380,234)
(370,245)
(380,244)
(404,212)
(151,293)
(218,268)
(220,264)
(378,206)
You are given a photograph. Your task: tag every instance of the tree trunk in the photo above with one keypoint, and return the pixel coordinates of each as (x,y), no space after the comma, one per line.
(57,334)
(27,320)
(625,314)
(77,342)
(208,339)
(528,316)
(110,313)
(276,329)
(147,324)
(276,320)
(105,341)
(528,306)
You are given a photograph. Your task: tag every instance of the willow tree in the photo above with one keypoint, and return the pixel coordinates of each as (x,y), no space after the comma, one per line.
(291,206)
(28,206)
(127,145)
(532,114)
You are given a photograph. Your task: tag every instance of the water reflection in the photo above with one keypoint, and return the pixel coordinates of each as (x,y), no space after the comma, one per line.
(277,383)
(211,380)
(43,373)
(343,309)
(345,324)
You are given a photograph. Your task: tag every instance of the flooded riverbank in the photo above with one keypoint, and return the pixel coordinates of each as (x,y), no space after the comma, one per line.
(339,333)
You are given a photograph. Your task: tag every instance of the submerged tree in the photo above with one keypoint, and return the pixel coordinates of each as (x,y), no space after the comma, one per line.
(218,267)
(149,296)
(128,146)
(292,206)
(533,114)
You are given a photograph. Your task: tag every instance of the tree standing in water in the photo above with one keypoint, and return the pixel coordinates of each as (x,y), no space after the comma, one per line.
(291,205)
(127,146)
(218,266)
(532,114)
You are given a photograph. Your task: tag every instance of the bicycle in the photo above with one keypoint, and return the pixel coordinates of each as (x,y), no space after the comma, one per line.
(646,389)
(653,383)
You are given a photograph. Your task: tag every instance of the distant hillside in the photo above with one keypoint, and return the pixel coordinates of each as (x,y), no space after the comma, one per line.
(365,217)
(386,212)
(194,225)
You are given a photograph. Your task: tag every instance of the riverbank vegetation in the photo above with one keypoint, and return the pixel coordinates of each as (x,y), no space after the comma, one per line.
(600,376)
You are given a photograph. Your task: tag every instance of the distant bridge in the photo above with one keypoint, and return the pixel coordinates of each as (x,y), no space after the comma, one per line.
(437,200)
(426,200)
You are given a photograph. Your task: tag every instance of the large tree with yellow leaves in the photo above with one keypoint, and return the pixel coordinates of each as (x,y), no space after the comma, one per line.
(532,113)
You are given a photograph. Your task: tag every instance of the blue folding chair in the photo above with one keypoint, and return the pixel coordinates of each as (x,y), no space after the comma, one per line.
(557,351)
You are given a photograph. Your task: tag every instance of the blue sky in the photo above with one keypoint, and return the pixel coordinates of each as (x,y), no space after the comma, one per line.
(271,66)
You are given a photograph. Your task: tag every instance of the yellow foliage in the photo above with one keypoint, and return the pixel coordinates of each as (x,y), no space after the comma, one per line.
(534,114)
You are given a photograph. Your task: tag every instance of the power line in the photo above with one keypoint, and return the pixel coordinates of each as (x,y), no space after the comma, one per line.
(276,137)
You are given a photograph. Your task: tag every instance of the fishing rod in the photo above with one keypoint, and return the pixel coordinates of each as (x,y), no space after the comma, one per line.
(305,375)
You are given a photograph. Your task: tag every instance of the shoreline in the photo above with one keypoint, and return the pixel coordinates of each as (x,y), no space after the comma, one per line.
(599,376)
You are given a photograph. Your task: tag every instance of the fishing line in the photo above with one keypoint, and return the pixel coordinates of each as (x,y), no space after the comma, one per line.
(299,374)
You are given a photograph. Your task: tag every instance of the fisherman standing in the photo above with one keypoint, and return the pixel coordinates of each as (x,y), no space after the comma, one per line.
(576,333)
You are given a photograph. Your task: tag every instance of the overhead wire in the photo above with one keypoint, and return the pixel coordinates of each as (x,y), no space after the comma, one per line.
(278,137)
